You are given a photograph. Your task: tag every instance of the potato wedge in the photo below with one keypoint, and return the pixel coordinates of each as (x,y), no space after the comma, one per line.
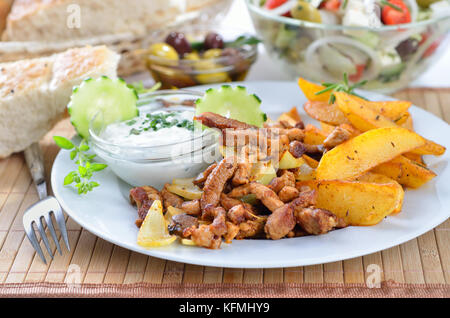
(405,171)
(365,118)
(358,203)
(375,178)
(326,128)
(313,135)
(309,89)
(382,179)
(430,148)
(394,110)
(324,112)
(366,151)
(408,123)
(313,163)
(415,157)
(359,114)
(293,113)
(402,119)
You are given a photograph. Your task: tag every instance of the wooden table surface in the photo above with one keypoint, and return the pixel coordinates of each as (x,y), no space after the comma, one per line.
(422,260)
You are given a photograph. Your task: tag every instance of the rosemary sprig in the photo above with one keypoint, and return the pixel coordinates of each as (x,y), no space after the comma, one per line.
(389,4)
(341,87)
(86,167)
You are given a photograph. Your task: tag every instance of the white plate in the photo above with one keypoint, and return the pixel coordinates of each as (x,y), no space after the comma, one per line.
(107,213)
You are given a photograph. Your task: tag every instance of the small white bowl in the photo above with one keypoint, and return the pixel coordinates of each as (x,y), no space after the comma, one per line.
(158,165)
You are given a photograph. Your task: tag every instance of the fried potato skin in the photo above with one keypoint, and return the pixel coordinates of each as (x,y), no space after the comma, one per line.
(382,179)
(326,128)
(394,110)
(405,171)
(326,113)
(313,163)
(310,89)
(366,151)
(313,135)
(364,118)
(357,203)
(360,115)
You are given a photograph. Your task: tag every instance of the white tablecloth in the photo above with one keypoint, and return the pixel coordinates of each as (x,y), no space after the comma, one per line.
(437,76)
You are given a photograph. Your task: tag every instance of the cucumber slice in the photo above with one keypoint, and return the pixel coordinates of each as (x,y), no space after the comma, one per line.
(112,97)
(234,103)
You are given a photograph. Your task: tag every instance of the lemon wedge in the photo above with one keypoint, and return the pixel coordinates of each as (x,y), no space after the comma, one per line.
(153,231)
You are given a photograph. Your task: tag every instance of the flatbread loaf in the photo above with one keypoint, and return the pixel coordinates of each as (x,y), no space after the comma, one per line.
(34,93)
(58,20)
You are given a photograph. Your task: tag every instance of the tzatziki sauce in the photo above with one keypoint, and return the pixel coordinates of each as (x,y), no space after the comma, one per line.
(157,128)
(156,147)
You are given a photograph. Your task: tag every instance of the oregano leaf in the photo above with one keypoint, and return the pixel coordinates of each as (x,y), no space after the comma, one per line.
(63,143)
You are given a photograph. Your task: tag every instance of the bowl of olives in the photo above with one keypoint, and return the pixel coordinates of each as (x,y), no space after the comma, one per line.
(200,55)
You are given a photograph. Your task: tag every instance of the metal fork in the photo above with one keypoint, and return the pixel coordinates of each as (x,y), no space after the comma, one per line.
(43,209)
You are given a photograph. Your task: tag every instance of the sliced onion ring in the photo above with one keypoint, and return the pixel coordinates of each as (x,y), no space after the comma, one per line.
(414,8)
(374,68)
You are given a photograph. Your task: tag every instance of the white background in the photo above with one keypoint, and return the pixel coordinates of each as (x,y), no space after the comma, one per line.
(437,76)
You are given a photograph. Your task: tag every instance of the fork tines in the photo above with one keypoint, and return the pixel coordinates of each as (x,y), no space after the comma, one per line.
(36,214)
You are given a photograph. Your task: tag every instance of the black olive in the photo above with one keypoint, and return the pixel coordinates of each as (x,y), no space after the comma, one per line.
(213,41)
(179,42)
(407,47)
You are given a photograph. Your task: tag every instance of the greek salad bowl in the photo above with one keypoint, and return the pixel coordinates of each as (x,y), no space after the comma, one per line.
(371,41)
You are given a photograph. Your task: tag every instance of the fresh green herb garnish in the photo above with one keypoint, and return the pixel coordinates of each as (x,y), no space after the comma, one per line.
(159,121)
(140,89)
(341,87)
(243,40)
(86,165)
(389,4)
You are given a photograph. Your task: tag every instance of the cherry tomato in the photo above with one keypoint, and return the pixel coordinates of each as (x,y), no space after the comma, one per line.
(392,16)
(272,4)
(359,72)
(331,5)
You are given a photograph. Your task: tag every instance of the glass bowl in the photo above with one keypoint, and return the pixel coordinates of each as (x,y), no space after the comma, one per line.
(232,65)
(158,164)
(389,57)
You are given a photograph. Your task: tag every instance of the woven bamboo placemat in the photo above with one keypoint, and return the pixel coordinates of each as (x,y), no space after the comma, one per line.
(420,267)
